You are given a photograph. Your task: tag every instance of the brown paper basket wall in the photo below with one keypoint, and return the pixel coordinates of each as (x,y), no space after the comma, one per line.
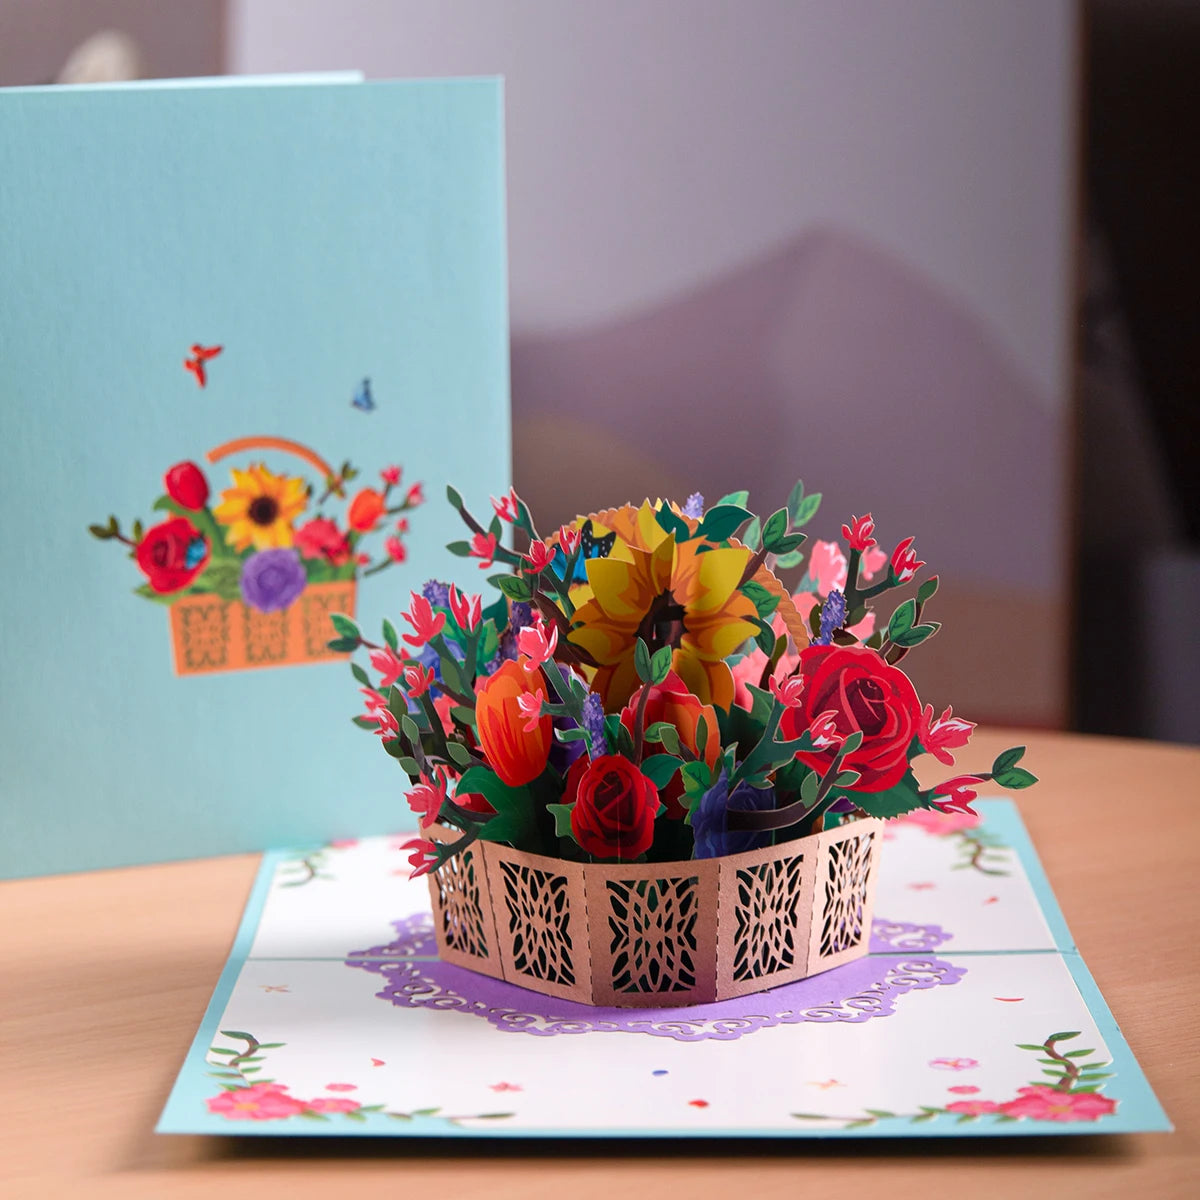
(659,935)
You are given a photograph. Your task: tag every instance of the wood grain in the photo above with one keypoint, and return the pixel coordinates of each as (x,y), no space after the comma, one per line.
(106,976)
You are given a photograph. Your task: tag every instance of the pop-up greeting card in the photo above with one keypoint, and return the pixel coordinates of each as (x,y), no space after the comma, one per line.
(240,324)
(651,775)
(675,873)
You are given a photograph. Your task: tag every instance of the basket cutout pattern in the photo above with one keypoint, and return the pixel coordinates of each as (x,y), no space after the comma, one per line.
(658,934)
(652,927)
(767,918)
(539,923)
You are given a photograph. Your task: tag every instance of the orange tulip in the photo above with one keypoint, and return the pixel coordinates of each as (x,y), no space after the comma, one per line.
(515,755)
(366,510)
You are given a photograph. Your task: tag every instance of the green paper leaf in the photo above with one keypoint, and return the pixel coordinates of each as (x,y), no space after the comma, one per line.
(764,601)
(810,786)
(389,636)
(807,509)
(795,499)
(671,522)
(1015,779)
(789,544)
(458,752)
(917,634)
(407,764)
(752,536)
(660,664)
(722,521)
(852,742)
(515,587)
(365,722)
(343,645)
(345,626)
(641,660)
(774,528)
(927,590)
(697,778)
(361,675)
(562,819)
(903,797)
(454,498)
(902,620)
(660,769)
(459,549)
(1008,758)
(1063,1037)
(847,779)
(1078,1053)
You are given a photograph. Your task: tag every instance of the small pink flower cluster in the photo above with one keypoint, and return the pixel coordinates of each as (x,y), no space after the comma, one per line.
(1041,1102)
(271,1102)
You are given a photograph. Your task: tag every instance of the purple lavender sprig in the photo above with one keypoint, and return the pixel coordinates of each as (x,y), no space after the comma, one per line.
(833,617)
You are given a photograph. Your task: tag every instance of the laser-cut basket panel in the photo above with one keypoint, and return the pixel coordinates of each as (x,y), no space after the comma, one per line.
(657,935)
(845,894)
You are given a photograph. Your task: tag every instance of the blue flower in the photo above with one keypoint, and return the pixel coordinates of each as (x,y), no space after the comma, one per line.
(272,579)
(710,819)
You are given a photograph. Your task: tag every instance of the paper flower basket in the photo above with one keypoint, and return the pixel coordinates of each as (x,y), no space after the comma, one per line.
(650,774)
(659,935)
(254,580)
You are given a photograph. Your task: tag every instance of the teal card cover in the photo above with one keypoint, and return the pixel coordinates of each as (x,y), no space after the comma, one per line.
(226,314)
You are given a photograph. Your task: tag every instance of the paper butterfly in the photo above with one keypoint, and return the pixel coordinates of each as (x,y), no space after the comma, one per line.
(201,355)
(363,400)
(590,546)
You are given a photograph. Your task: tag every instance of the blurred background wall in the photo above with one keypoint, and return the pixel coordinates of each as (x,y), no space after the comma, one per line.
(843,241)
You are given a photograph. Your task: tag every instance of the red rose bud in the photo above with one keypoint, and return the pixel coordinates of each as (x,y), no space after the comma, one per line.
(615,806)
(905,563)
(851,689)
(858,533)
(186,485)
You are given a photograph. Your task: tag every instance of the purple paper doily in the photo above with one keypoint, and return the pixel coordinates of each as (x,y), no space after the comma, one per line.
(414,977)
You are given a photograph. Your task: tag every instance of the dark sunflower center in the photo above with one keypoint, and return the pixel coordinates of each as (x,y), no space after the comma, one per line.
(663,623)
(263,510)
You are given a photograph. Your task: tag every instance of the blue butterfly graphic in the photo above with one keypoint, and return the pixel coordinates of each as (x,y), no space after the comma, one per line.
(363,400)
(195,553)
(590,546)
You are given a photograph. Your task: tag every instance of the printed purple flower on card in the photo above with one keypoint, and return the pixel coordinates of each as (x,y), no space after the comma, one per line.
(272,579)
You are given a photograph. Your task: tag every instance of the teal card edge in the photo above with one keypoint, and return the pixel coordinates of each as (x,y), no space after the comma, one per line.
(1139,1109)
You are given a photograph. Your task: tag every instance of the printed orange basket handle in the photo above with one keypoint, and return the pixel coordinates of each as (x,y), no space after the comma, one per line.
(209,633)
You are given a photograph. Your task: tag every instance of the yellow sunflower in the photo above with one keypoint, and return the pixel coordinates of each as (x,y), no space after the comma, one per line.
(709,618)
(674,596)
(260,508)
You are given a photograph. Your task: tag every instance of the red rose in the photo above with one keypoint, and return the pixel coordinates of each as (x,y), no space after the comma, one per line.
(172,554)
(864,694)
(615,807)
(186,485)
(671,701)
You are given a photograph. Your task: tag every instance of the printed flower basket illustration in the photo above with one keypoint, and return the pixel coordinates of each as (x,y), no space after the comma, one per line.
(650,773)
(659,935)
(254,580)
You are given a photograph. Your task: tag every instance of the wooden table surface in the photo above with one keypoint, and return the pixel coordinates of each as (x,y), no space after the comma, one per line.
(106,976)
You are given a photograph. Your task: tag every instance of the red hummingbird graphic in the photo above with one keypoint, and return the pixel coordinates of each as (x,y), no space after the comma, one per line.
(201,355)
